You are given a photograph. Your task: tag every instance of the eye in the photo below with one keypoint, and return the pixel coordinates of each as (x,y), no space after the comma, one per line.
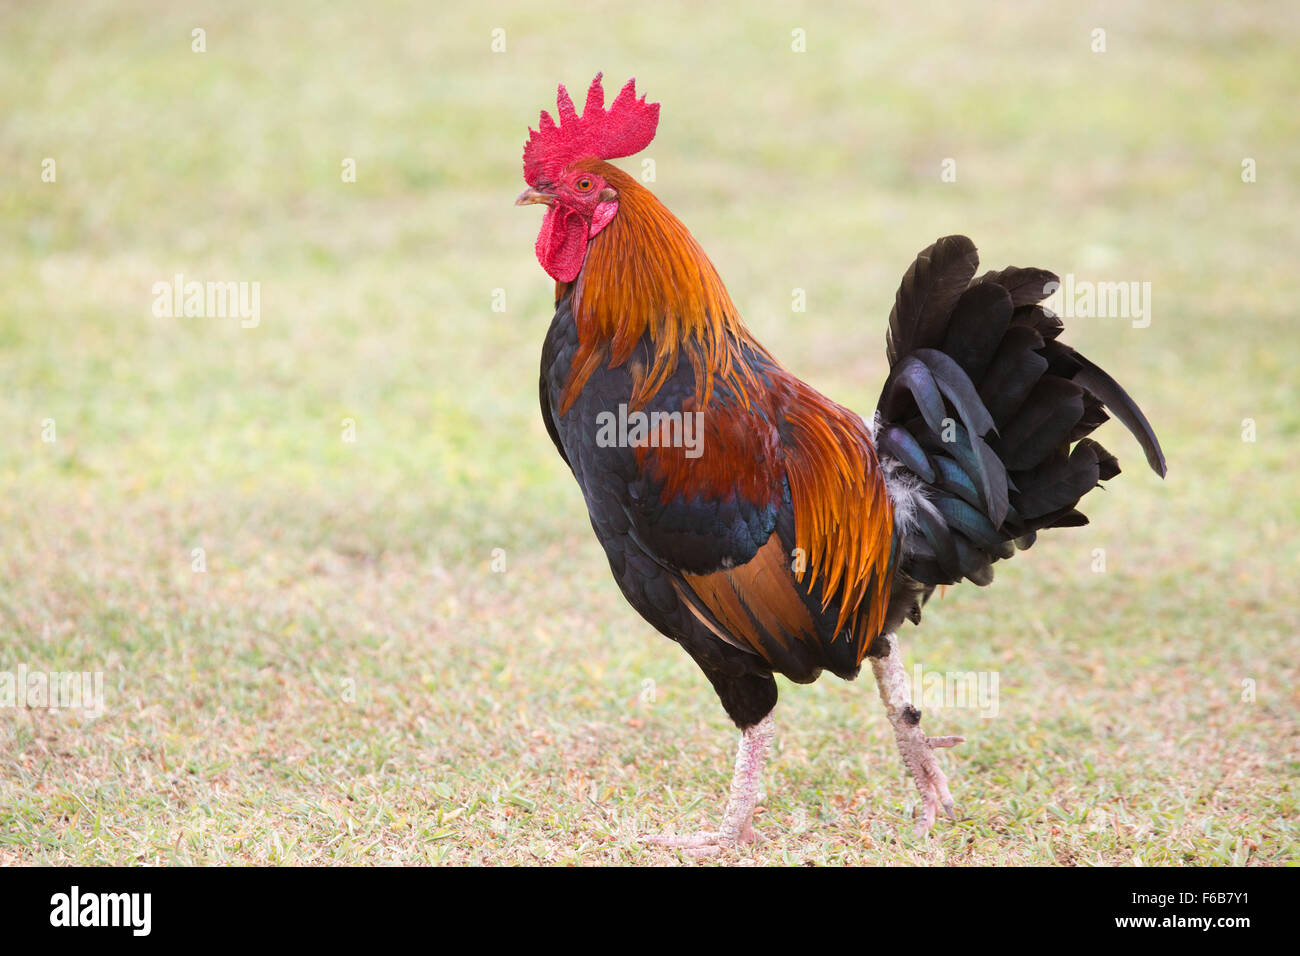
(584,184)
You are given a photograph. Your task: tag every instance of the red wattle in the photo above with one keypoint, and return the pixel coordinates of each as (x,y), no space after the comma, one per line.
(562,243)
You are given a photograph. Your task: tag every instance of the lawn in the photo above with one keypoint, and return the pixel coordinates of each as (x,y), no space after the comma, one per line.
(343,594)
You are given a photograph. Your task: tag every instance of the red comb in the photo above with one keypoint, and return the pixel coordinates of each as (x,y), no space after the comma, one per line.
(627,127)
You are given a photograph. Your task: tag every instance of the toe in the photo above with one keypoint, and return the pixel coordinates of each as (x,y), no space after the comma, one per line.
(688,841)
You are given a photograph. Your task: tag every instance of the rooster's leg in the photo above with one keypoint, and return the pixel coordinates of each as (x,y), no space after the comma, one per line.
(738,820)
(917,749)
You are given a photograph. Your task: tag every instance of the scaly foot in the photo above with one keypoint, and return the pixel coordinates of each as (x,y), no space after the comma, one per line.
(703,844)
(738,820)
(917,751)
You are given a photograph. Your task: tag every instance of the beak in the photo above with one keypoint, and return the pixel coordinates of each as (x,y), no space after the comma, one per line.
(530,196)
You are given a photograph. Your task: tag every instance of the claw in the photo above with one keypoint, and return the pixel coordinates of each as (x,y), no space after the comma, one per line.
(930,780)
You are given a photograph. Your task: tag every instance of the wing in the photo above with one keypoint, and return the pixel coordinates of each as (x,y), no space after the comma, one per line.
(778,533)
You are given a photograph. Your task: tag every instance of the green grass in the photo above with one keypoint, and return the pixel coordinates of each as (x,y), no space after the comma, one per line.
(350,681)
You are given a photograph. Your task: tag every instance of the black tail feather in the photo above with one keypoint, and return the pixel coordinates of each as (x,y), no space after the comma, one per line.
(927,294)
(1016,367)
(1024,286)
(1109,392)
(1041,424)
(991,414)
(979,321)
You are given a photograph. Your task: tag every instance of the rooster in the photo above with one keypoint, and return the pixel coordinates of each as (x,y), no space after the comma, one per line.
(750,519)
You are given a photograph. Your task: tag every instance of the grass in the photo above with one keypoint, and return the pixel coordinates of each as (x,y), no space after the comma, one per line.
(350,680)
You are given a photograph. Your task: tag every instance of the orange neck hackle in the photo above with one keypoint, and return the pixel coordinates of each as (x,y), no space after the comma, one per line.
(645,275)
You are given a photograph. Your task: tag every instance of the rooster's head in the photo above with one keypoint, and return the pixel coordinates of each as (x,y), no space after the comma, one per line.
(561,166)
